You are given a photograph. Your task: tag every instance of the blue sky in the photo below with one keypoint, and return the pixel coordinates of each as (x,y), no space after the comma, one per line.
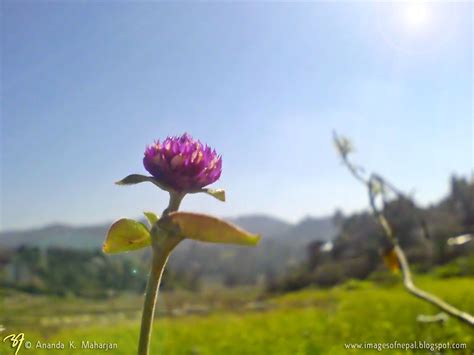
(85,86)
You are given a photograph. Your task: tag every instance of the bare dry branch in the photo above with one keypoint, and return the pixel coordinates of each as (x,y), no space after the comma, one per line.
(370,183)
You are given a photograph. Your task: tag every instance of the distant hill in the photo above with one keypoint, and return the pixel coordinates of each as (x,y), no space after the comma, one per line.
(58,235)
(91,237)
(262,224)
(279,249)
(311,228)
(282,244)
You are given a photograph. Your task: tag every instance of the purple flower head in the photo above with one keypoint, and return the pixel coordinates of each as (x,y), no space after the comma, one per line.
(183,163)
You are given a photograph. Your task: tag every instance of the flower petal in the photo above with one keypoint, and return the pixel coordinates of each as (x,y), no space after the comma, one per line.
(182,163)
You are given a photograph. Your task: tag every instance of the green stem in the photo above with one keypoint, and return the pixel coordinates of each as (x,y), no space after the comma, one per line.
(151,295)
(162,243)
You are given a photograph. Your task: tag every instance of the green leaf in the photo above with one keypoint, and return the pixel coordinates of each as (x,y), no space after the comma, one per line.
(137,179)
(126,235)
(151,217)
(210,229)
(218,194)
(134,179)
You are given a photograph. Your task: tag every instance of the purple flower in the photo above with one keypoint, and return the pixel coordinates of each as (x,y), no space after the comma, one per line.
(182,163)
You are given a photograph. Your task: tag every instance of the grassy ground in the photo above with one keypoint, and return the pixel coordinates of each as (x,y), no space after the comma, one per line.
(305,322)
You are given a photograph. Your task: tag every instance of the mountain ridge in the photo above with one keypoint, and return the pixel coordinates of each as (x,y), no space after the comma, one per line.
(62,234)
(283,244)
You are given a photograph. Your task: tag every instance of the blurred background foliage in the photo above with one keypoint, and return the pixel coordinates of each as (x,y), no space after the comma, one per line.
(323,252)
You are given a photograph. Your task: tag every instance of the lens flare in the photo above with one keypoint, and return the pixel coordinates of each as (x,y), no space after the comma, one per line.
(417,15)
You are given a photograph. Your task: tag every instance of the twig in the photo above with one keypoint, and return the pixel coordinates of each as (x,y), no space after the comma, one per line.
(374,180)
(436,318)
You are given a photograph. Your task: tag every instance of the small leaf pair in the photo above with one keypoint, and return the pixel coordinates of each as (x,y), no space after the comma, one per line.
(127,235)
(137,178)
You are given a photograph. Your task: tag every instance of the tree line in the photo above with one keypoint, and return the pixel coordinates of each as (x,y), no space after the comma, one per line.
(360,249)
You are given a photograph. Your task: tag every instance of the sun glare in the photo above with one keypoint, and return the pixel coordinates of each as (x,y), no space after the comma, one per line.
(417,15)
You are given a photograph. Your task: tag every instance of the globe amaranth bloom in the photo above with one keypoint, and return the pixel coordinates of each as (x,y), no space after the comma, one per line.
(183,163)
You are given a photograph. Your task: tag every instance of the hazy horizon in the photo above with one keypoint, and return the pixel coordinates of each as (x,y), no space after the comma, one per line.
(228,217)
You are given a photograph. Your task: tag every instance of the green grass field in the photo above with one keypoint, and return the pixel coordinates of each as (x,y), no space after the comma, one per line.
(305,322)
